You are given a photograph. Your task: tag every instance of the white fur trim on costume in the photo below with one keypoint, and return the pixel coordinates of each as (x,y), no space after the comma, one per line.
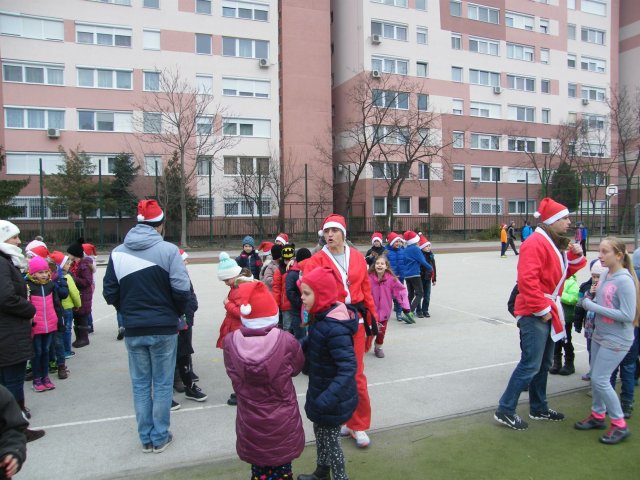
(536,214)
(413,240)
(542,313)
(245,309)
(575,260)
(262,322)
(561,214)
(397,239)
(280,239)
(337,225)
(140,218)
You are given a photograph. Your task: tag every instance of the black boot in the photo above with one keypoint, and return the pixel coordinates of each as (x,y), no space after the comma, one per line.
(568,367)
(557,364)
(33,434)
(82,337)
(322,473)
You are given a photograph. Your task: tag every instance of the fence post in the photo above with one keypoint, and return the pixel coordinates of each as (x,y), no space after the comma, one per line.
(464,203)
(100,225)
(210,204)
(41,199)
(497,209)
(526,196)
(306,205)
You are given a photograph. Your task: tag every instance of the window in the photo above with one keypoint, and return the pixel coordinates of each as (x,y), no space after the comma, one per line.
(401,207)
(246,88)
(205,206)
(592,35)
(487,110)
(487,47)
(102,35)
(485,174)
(203,44)
(422,69)
(545,147)
(230,166)
(104,121)
(242,207)
(483,14)
(392,31)
(545,86)
(594,6)
(152,81)
(455,8)
(389,170)
(103,78)
(29,163)
(393,3)
(390,99)
(458,106)
(246,127)
(544,56)
(151,4)
(482,77)
(571,60)
(424,171)
(152,163)
(116,2)
(522,114)
(246,166)
(456,41)
(572,90)
(523,175)
(47,74)
(421,4)
(456,74)
(151,39)
(390,65)
(521,144)
(422,35)
(543,25)
(571,4)
(31,27)
(423,205)
(526,84)
(594,178)
(458,173)
(520,52)
(520,206)
(244,47)
(486,206)
(517,20)
(379,206)
(572,118)
(204,84)
(594,122)
(204,125)
(423,102)
(546,113)
(593,64)
(571,31)
(203,7)
(593,150)
(151,122)
(457,140)
(390,135)
(29,208)
(203,166)
(32,118)
(485,142)
(458,206)
(246,10)
(593,93)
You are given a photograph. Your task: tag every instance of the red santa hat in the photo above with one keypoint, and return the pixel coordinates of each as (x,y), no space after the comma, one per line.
(150,212)
(550,211)
(59,257)
(258,308)
(89,249)
(392,238)
(335,221)
(411,237)
(283,238)
(424,242)
(376,236)
(323,281)
(183,254)
(36,247)
(265,247)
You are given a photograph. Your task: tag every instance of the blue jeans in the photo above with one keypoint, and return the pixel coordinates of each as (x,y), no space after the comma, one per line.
(426,287)
(533,368)
(604,397)
(120,320)
(56,352)
(291,322)
(40,362)
(68,324)
(628,371)
(152,361)
(12,377)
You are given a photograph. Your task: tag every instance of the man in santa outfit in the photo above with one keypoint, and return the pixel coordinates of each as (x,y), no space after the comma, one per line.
(355,289)
(546,260)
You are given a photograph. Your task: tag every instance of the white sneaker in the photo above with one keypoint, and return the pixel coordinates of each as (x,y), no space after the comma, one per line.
(344,431)
(362,439)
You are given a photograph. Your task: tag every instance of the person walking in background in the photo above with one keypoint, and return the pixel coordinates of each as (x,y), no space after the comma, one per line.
(543,267)
(82,270)
(413,261)
(395,254)
(261,360)
(146,280)
(290,318)
(376,248)
(526,230)
(617,310)
(503,241)
(511,233)
(428,279)
(249,258)
(581,236)
(91,254)
(569,298)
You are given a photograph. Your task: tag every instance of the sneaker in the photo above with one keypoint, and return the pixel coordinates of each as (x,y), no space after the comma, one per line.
(38,386)
(361,437)
(551,415)
(420,315)
(69,354)
(427,315)
(174,406)
(589,423)
(233,400)
(120,333)
(194,377)
(147,448)
(195,393)
(33,434)
(503,256)
(48,384)
(53,366)
(379,353)
(161,448)
(27,413)
(586,377)
(627,409)
(399,318)
(615,435)
(409,318)
(345,431)
(512,421)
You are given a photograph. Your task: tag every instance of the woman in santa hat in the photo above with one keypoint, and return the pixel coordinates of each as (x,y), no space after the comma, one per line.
(351,267)
(546,260)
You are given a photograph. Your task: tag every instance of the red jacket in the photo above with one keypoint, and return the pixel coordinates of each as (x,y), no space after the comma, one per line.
(231,320)
(279,289)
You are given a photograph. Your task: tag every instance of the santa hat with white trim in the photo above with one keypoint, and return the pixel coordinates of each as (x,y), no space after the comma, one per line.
(376,236)
(59,257)
(335,221)
(183,254)
(149,212)
(283,238)
(258,308)
(550,211)
(392,238)
(36,247)
(424,242)
(411,237)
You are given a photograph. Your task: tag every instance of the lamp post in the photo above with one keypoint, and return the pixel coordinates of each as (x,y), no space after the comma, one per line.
(210,204)
(41,199)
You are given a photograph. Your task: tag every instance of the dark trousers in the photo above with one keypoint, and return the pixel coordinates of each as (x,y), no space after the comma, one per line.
(426,287)
(329,450)
(12,377)
(512,244)
(40,362)
(414,288)
(503,248)
(565,344)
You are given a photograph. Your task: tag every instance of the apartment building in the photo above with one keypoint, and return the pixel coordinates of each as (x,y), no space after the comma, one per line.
(500,77)
(77,73)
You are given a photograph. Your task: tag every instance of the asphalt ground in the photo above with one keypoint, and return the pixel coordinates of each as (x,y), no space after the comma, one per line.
(453,364)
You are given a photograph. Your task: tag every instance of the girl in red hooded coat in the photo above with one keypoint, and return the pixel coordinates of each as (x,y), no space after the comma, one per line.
(261,360)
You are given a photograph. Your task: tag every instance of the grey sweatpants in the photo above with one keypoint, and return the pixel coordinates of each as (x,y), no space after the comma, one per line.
(603,362)
(329,450)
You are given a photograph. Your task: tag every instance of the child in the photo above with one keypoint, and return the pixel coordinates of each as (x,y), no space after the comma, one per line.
(249,258)
(232,275)
(617,312)
(332,394)
(569,298)
(69,304)
(280,290)
(82,270)
(91,254)
(47,320)
(376,248)
(428,279)
(293,292)
(413,262)
(261,360)
(266,275)
(282,239)
(395,254)
(57,361)
(503,241)
(384,288)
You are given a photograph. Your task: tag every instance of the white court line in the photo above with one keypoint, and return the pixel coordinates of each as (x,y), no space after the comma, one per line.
(475,315)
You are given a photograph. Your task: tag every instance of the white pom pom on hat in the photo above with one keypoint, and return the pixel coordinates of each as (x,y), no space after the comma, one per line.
(245,309)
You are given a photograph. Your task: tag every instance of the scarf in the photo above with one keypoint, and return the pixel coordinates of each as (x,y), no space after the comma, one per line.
(16,255)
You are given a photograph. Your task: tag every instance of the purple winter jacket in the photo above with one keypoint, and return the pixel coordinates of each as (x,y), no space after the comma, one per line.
(384,291)
(260,364)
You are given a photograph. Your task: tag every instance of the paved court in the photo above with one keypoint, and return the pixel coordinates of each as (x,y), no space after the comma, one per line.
(457,361)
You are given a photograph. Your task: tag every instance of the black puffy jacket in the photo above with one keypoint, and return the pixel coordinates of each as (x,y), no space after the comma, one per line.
(12,425)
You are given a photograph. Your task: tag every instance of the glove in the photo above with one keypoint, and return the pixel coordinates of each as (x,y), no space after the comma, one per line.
(61,327)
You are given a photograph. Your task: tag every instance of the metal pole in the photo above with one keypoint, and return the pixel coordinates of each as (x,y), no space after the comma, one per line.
(464,203)
(349,187)
(497,210)
(210,205)
(306,204)
(157,198)
(526,195)
(429,200)
(41,199)
(101,229)
(635,235)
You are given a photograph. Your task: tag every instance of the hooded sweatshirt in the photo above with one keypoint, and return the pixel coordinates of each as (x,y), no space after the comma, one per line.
(147,281)
(615,309)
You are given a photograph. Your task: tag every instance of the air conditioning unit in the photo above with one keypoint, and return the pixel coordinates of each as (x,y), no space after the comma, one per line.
(585,101)
(376,73)
(53,133)
(263,62)
(376,39)
(497,90)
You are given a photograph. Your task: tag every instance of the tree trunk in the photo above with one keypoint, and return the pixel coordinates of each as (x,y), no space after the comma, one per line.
(183,204)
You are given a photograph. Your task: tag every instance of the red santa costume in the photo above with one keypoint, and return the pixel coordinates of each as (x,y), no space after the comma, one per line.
(355,290)
(542,270)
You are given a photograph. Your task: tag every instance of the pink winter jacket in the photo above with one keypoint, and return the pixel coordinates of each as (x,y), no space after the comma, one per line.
(44,298)
(260,364)
(384,291)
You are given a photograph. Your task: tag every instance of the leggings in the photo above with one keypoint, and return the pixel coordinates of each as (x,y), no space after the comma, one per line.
(603,362)
(329,450)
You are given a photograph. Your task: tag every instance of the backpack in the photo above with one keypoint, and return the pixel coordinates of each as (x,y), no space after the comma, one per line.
(511,303)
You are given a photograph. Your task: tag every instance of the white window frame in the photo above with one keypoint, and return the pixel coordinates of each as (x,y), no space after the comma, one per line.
(238,47)
(545,56)
(203,7)
(594,7)
(545,86)
(484,77)
(246,208)
(422,69)
(597,94)
(484,46)
(390,99)
(122,121)
(593,35)
(240,9)
(240,123)
(32,206)
(151,39)
(238,169)
(203,36)
(519,21)
(482,13)
(246,87)
(485,110)
(96,72)
(108,30)
(26,112)
(519,175)
(571,31)
(455,173)
(545,116)
(456,41)
(422,35)
(544,26)
(454,71)
(520,206)
(572,90)
(28,163)
(382,64)
(486,174)
(455,8)
(457,106)
(205,206)
(400,201)
(521,113)
(149,165)
(392,3)
(485,141)
(520,82)
(485,206)
(390,30)
(521,144)
(147,80)
(24,66)
(590,64)
(516,51)
(572,60)
(204,84)
(457,139)
(31,26)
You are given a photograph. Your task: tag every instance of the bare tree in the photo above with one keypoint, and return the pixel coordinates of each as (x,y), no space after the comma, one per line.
(186,121)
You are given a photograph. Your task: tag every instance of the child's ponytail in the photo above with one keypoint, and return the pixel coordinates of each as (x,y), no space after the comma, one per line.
(628,264)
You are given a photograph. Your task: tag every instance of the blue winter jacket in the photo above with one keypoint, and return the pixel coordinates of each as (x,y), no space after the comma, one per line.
(332,396)
(396,259)
(413,260)
(147,281)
